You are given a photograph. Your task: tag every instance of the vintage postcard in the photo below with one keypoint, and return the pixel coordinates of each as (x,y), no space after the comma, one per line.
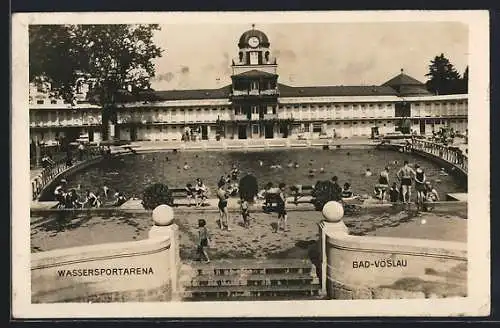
(258,164)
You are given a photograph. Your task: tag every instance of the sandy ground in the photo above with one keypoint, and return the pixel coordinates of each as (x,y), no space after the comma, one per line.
(258,241)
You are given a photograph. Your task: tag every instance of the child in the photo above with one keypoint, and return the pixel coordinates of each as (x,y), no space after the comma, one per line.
(203,240)
(282,215)
(394,193)
(245,213)
(431,196)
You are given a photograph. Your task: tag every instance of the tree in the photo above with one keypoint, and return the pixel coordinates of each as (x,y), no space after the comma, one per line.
(443,77)
(465,81)
(155,195)
(113,57)
(248,188)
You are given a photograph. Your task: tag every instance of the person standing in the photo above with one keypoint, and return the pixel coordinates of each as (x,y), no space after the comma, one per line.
(203,240)
(420,187)
(405,175)
(222,205)
(383,183)
(281,208)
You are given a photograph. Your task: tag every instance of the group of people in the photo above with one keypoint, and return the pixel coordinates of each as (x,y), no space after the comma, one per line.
(406,176)
(197,192)
(230,181)
(73,198)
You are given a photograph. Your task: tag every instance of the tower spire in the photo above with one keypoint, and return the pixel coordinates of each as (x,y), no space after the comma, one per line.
(253,26)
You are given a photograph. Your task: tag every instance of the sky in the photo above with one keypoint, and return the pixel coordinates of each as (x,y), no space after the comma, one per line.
(198,56)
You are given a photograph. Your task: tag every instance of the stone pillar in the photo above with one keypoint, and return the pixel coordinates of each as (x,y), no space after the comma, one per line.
(333,223)
(163,218)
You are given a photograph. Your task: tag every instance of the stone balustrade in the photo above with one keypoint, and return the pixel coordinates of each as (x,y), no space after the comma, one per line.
(365,267)
(145,270)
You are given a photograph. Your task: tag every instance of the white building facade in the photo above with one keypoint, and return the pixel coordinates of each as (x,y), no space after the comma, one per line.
(255,105)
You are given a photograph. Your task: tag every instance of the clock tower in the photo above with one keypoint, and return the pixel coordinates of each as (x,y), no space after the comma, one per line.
(254,95)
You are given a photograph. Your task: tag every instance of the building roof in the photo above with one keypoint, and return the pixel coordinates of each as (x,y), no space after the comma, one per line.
(255,73)
(243,43)
(338,90)
(176,94)
(406,85)
(402,79)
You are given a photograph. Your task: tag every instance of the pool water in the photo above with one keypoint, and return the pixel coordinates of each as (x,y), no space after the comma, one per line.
(131,174)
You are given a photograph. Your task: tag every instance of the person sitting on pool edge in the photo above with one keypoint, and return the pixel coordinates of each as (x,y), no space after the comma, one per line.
(189,193)
(346,191)
(431,196)
(119,199)
(200,192)
(394,193)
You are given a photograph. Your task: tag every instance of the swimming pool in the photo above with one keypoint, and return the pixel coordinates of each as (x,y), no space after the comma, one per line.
(131,174)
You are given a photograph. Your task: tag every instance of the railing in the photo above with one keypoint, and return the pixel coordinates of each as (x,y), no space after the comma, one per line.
(450,154)
(240,117)
(39,182)
(270,116)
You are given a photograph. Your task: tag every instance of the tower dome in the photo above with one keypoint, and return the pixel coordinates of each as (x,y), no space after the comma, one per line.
(254,35)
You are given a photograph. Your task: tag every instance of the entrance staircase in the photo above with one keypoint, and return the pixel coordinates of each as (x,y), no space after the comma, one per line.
(249,279)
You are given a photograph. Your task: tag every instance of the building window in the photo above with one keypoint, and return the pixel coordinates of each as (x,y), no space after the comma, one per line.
(296,106)
(39,102)
(306,128)
(379,105)
(255,129)
(355,123)
(317,127)
(53,101)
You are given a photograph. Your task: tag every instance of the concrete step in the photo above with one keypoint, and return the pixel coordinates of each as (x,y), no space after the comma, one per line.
(221,292)
(256,266)
(252,280)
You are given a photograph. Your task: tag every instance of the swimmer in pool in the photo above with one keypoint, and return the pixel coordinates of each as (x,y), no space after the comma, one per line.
(186,166)
(368,173)
(322,170)
(105,189)
(290,164)
(443,172)
(296,165)
(261,163)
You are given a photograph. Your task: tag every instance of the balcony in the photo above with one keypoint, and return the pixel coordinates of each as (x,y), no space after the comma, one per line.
(240,93)
(269,92)
(239,117)
(270,116)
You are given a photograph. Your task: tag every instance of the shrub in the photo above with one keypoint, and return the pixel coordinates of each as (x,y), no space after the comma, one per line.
(156,194)
(248,188)
(323,192)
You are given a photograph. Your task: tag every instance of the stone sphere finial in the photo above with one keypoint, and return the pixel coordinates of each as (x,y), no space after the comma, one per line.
(333,211)
(163,215)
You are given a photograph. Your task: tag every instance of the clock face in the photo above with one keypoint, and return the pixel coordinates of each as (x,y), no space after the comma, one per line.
(253,41)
